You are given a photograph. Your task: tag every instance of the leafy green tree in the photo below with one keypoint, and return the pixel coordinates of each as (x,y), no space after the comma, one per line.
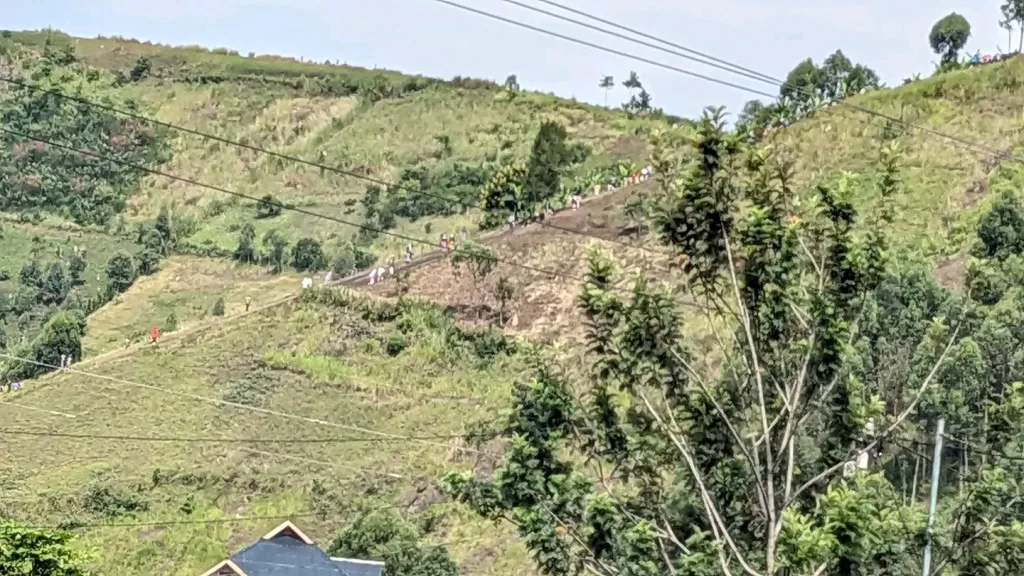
(141,69)
(385,536)
(246,250)
(544,168)
(1001,229)
(476,259)
(949,35)
(76,267)
(275,250)
(26,551)
(308,255)
(31,275)
(55,286)
(512,83)
(1013,11)
(268,207)
(503,194)
(121,272)
(606,84)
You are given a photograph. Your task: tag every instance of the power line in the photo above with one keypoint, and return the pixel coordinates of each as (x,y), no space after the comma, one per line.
(334,169)
(208,440)
(246,407)
(223,190)
(977,147)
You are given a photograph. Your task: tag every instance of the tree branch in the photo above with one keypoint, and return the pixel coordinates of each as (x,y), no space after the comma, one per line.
(709,506)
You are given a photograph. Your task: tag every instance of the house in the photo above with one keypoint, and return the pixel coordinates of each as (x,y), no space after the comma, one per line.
(286,551)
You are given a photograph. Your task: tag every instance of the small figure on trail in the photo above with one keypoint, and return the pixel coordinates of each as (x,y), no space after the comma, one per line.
(391,266)
(380,274)
(15,386)
(248,302)
(307,282)
(548,210)
(373,276)
(511,221)
(328,277)
(463,233)
(408,252)
(154,335)
(63,361)
(575,201)
(444,242)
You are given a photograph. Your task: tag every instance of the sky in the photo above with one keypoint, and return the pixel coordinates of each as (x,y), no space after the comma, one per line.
(426,37)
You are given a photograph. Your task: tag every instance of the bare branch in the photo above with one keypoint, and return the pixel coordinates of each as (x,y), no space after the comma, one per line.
(762,406)
(709,506)
(732,430)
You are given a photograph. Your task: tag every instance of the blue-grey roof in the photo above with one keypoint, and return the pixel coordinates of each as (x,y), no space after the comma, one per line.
(359,567)
(285,555)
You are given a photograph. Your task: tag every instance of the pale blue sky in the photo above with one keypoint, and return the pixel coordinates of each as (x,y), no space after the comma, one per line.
(421,36)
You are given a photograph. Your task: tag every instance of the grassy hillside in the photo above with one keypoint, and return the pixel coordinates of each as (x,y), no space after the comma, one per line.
(946,185)
(320,361)
(336,115)
(333,362)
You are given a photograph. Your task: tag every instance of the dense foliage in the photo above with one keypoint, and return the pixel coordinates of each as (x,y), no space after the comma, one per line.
(28,551)
(38,176)
(384,535)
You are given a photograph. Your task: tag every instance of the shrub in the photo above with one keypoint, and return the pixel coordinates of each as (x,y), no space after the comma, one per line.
(394,345)
(307,255)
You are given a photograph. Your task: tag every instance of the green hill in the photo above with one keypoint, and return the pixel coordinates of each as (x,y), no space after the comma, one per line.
(356,361)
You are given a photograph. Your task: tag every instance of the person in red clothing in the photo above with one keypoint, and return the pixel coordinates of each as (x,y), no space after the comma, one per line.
(154,334)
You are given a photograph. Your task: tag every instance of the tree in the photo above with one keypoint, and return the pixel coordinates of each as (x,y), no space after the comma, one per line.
(1013,11)
(503,194)
(120,272)
(76,267)
(949,35)
(512,83)
(382,535)
(275,250)
(141,69)
(31,275)
(28,551)
(245,252)
(504,291)
(1001,228)
(308,255)
(802,82)
(477,259)
(633,82)
(544,169)
(55,286)
(268,207)
(668,463)
(607,83)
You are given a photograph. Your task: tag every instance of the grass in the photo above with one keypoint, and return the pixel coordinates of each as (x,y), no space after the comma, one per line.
(21,242)
(312,360)
(945,185)
(187,287)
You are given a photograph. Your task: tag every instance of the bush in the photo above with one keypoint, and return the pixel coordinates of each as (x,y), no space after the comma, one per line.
(171,322)
(120,272)
(394,345)
(268,207)
(218,307)
(307,255)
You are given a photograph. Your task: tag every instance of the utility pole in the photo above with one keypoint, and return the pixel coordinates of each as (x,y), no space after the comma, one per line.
(936,467)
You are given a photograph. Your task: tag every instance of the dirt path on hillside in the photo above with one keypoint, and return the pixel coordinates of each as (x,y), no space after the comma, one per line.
(588,220)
